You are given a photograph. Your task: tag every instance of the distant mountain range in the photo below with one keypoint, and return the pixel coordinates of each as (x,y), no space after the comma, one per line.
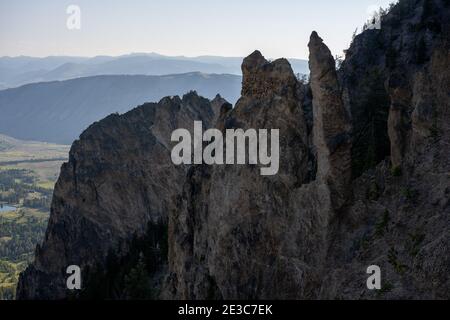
(59,111)
(17,71)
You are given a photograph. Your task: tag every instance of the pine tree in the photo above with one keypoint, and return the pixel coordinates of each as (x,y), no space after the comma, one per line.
(137,282)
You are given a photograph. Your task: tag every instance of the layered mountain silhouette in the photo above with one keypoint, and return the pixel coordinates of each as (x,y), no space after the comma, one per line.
(59,111)
(16,71)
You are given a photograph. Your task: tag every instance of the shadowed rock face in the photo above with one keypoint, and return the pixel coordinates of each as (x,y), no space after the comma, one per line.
(392,220)
(118,179)
(384,86)
(309,232)
(417,83)
(362,78)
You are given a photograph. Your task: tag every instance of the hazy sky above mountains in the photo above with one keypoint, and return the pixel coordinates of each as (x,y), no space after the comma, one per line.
(178,27)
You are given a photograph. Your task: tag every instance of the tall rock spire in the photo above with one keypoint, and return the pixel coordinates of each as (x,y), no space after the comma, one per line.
(331,123)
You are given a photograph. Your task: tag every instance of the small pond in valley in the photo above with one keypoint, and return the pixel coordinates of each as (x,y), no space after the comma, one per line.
(6,208)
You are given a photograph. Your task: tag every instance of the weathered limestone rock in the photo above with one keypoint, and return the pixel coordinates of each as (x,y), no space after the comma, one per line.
(237,234)
(263,79)
(399,122)
(331,123)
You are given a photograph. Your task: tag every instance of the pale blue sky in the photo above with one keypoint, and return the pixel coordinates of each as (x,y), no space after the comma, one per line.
(175,27)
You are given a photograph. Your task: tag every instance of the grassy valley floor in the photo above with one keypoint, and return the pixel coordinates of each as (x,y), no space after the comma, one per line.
(28,172)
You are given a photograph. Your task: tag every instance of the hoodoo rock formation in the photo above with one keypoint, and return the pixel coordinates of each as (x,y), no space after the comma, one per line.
(331,123)
(248,243)
(363,180)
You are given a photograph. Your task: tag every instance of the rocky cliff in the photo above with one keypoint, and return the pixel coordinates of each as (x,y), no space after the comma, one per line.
(364,180)
(118,183)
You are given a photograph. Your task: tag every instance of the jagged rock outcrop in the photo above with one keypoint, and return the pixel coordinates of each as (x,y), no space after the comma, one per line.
(308,232)
(222,246)
(235,233)
(119,178)
(331,123)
